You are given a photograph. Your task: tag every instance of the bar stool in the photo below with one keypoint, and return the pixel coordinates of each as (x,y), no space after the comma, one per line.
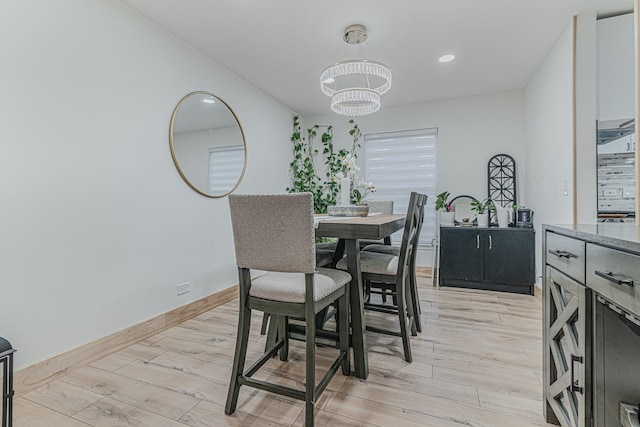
(6,358)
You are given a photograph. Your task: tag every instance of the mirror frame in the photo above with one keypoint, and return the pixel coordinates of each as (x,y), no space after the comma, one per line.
(173,152)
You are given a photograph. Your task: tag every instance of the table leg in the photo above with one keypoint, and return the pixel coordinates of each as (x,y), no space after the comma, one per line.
(358,338)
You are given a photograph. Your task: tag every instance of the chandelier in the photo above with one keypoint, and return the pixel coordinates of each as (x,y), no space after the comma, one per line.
(355,85)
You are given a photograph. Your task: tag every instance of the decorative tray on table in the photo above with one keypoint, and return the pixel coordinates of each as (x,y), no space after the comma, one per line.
(348,210)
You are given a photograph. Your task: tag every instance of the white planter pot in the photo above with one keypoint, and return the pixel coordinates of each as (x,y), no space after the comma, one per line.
(483,219)
(447,218)
(504,217)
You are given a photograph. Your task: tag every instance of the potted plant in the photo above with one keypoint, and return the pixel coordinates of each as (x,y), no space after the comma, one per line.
(361,191)
(482,208)
(446,216)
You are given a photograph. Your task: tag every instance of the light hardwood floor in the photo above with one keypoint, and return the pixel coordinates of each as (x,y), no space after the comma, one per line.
(477,363)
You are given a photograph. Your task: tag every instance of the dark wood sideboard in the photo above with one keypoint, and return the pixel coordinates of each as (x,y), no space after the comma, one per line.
(496,259)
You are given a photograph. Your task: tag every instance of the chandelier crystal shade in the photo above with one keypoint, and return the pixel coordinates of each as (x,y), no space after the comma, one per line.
(355,85)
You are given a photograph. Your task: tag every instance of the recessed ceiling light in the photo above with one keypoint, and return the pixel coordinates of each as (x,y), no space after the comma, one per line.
(209,101)
(446,58)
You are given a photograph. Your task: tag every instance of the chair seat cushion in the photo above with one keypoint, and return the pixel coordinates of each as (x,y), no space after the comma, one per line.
(331,246)
(324,257)
(374,262)
(290,287)
(383,249)
(367,242)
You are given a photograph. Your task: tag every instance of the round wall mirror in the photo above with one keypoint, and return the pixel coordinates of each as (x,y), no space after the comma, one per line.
(207,144)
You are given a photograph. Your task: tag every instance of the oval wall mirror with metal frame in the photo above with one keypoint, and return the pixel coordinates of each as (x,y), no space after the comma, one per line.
(207,144)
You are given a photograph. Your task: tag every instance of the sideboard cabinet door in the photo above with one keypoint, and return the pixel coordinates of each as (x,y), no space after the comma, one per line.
(508,256)
(461,254)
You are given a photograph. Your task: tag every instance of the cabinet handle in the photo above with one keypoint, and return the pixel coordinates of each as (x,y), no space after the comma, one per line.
(611,277)
(477,241)
(490,242)
(574,387)
(562,254)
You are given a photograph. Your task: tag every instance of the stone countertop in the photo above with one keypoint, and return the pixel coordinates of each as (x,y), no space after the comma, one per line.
(492,228)
(623,236)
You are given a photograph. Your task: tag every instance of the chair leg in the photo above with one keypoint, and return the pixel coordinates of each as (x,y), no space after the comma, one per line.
(273,332)
(265,323)
(343,330)
(244,323)
(411,314)
(5,392)
(383,295)
(367,290)
(310,377)
(415,287)
(283,332)
(415,299)
(10,390)
(402,315)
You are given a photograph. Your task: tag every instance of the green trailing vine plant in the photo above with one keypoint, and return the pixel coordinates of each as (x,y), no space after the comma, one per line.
(325,186)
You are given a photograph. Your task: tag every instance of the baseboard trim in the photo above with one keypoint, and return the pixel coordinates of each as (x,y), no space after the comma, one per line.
(537,292)
(40,373)
(425,273)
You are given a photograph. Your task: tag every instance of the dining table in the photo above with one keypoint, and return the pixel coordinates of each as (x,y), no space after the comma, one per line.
(349,231)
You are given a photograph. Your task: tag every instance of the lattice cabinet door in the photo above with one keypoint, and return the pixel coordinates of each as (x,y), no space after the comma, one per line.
(567,317)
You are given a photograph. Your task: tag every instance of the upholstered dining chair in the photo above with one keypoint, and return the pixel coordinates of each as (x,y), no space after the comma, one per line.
(395,250)
(393,274)
(324,258)
(275,234)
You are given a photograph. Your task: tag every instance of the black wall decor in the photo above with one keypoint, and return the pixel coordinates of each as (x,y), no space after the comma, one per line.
(502,180)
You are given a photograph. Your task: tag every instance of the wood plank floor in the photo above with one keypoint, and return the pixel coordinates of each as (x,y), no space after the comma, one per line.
(477,363)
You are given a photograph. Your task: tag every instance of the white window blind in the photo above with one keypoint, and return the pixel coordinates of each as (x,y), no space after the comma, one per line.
(399,163)
(225,167)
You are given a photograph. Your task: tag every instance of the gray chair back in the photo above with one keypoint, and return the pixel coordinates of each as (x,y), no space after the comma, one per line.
(411,235)
(274,232)
(421,202)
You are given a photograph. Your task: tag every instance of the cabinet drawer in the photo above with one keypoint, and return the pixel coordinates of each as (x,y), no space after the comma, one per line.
(566,254)
(615,275)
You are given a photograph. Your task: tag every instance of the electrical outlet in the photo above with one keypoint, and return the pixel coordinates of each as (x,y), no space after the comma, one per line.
(183,288)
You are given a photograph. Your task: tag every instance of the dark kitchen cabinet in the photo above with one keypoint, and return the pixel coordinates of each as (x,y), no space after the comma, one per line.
(567,319)
(498,259)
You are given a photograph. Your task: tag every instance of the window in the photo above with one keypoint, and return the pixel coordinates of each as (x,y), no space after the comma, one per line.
(399,163)
(225,167)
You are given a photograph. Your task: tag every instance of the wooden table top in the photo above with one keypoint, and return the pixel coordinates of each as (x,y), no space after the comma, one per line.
(370,227)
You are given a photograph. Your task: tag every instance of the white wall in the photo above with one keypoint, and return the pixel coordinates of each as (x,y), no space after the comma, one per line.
(97,226)
(471,130)
(549,152)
